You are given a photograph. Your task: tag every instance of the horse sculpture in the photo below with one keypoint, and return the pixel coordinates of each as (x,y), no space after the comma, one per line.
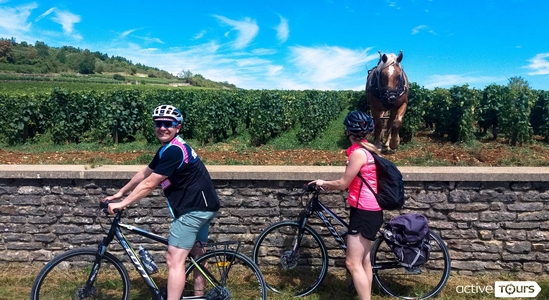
(387,90)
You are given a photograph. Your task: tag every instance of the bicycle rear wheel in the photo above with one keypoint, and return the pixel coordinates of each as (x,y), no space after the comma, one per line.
(297,272)
(66,276)
(238,277)
(420,282)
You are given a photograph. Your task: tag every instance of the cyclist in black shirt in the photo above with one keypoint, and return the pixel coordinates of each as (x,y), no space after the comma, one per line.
(192,199)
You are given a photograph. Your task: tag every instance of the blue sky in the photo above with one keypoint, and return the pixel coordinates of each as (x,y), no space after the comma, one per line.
(306,44)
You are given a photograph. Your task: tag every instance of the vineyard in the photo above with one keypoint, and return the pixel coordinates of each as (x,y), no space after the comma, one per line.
(121,115)
(514,114)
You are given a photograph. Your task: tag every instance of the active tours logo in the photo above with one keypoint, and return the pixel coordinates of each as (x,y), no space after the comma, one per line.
(503,289)
(513,289)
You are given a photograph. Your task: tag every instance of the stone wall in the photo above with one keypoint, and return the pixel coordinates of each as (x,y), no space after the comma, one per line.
(493,219)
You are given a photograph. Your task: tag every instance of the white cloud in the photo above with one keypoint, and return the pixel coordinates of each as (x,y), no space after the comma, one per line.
(65,18)
(282,30)
(14,23)
(146,39)
(539,64)
(251,71)
(46,13)
(416,29)
(150,39)
(13,20)
(246,71)
(127,32)
(393,4)
(274,70)
(419,28)
(263,51)
(199,35)
(247,31)
(324,64)
(456,79)
(252,61)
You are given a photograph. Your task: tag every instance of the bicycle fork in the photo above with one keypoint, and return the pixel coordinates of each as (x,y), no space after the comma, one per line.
(88,290)
(289,259)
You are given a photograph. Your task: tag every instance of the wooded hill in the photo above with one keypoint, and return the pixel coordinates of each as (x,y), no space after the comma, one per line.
(24,58)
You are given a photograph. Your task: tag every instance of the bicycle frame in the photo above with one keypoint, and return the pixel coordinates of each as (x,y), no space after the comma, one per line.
(136,261)
(320,210)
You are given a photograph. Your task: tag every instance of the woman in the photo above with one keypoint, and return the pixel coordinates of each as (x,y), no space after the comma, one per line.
(366,215)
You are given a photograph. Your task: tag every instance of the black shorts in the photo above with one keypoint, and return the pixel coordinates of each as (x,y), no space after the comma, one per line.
(365,222)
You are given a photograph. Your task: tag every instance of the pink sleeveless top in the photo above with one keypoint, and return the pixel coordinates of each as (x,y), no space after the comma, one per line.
(360,195)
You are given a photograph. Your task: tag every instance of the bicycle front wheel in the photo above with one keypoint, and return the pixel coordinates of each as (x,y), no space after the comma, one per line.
(68,277)
(298,272)
(228,275)
(419,282)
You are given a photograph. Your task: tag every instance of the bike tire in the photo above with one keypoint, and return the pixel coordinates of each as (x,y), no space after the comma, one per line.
(421,282)
(300,275)
(239,277)
(65,276)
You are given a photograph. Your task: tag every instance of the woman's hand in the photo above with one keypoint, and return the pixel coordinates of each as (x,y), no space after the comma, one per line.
(320,183)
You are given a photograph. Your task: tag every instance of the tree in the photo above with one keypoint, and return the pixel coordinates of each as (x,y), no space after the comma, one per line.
(61,56)
(99,67)
(6,51)
(86,64)
(41,48)
(185,75)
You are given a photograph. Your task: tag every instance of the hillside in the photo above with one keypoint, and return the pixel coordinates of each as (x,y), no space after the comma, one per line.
(39,62)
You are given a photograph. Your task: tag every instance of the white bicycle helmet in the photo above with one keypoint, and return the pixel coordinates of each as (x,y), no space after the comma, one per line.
(169,111)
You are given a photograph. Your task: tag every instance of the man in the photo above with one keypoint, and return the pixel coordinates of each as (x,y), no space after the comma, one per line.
(192,199)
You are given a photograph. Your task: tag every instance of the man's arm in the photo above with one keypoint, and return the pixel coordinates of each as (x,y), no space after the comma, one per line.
(130,186)
(144,188)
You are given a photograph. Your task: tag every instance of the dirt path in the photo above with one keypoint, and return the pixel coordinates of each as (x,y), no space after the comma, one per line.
(424,152)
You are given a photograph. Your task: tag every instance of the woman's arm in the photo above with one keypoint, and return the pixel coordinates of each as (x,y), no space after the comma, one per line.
(356,161)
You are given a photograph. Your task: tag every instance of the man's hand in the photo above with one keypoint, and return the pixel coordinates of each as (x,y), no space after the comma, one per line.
(113,197)
(113,206)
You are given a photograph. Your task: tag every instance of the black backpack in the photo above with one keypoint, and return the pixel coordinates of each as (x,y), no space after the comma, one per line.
(390,186)
(408,238)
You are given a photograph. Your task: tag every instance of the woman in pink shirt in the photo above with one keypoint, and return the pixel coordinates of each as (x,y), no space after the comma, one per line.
(366,215)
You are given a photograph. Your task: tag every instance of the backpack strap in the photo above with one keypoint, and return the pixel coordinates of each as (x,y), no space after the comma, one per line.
(368,154)
(367,184)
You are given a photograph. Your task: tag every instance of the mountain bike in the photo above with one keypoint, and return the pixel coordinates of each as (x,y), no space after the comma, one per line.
(88,273)
(293,257)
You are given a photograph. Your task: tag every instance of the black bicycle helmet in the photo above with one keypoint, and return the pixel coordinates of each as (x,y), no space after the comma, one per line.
(358,123)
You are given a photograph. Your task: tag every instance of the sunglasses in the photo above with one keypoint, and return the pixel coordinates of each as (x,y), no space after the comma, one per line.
(165,124)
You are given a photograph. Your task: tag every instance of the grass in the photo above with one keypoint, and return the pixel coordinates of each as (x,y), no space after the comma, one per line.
(16,281)
(325,141)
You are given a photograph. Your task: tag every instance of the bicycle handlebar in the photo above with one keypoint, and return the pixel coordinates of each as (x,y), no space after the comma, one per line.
(105,206)
(311,187)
